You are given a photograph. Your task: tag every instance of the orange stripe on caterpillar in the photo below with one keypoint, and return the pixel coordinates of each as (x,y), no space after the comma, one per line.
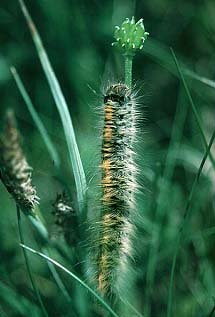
(118,186)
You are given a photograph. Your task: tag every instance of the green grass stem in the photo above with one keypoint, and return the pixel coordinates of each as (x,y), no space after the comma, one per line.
(160,207)
(159,53)
(33,282)
(211,314)
(76,164)
(39,124)
(186,213)
(193,107)
(57,277)
(82,283)
(19,305)
(128,70)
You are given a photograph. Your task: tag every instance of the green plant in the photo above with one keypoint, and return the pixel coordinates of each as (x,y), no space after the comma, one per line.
(154,249)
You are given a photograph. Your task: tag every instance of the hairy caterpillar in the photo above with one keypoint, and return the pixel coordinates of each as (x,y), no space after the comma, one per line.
(118,187)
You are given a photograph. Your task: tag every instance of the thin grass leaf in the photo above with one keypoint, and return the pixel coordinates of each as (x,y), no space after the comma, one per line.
(160,207)
(33,283)
(193,107)
(43,233)
(17,302)
(186,213)
(39,227)
(2,313)
(104,304)
(132,308)
(202,79)
(211,314)
(159,53)
(57,278)
(205,233)
(62,107)
(39,124)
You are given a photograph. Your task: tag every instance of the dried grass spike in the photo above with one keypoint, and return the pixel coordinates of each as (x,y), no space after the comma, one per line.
(16,174)
(65,218)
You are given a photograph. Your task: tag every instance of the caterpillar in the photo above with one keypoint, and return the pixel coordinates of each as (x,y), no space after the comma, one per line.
(118,187)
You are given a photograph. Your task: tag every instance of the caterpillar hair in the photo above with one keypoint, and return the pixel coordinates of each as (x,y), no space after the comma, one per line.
(118,186)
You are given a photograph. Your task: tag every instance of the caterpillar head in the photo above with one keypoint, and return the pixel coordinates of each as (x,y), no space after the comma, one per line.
(118,93)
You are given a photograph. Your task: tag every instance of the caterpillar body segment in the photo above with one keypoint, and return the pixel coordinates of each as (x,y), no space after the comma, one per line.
(118,185)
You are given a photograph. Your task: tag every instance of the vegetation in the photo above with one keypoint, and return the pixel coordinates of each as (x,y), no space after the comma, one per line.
(52,113)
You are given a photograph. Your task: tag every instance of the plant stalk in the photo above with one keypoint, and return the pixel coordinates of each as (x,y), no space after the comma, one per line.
(128,70)
(33,283)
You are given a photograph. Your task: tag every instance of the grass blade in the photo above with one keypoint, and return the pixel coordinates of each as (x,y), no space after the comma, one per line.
(2,313)
(62,107)
(202,79)
(160,207)
(186,212)
(132,308)
(212,312)
(104,304)
(33,283)
(57,278)
(43,233)
(159,53)
(193,107)
(19,305)
(39,227)
(50,146)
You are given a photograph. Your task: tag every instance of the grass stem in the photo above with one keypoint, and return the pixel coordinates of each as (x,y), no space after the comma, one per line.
(104,304)
(186,213)
(57,278)
(128,70)
(33,283)
(39,124)
(193,107)
(62,107)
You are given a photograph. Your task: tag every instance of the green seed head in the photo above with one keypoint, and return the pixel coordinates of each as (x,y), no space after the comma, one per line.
(130,36)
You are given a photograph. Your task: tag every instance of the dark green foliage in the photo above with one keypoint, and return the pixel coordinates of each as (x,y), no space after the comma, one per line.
(77,36)
(65,218)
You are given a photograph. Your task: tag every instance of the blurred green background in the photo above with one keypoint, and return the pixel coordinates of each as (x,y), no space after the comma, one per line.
(77,36)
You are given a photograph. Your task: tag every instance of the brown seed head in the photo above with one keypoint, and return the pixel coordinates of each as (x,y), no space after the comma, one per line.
(15,172)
